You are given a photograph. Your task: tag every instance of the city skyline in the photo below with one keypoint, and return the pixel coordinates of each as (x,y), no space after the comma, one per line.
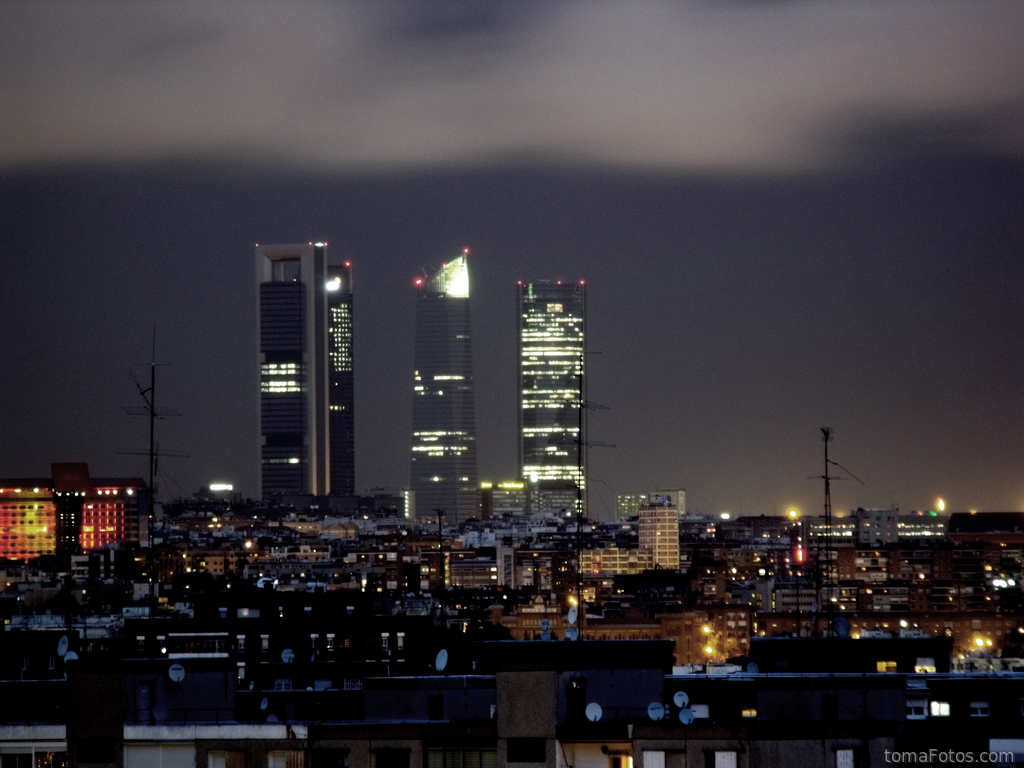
(790,216)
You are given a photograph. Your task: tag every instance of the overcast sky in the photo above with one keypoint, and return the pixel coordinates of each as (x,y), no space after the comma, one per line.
(790,215)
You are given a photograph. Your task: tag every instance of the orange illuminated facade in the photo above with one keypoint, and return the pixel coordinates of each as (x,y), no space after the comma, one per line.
(67,512)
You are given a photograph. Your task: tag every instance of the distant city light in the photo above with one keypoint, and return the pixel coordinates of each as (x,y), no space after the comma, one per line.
(725,515)
(333,285)
(221,487)
(793,514)
(940,504)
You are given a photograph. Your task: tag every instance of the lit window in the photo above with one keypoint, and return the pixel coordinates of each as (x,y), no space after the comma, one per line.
(940,709)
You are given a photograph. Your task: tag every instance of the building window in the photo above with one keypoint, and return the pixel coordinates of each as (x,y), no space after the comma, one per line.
(330,641)
(940,709)
(466,757)
(844,758)
(749,712)
(384,637)
(725,760)
(620,761)
(885,666)
(979,709)
(917,709)
(654,759)
(700,710)
(391,758)
(328,758)
(264,643)
(526,750)
(225,759)
(291,758)
(240,643)
(400,641)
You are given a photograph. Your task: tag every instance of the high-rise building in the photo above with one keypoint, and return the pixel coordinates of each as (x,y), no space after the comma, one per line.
(552,382)
(306,435)
(443,472)
(341,400)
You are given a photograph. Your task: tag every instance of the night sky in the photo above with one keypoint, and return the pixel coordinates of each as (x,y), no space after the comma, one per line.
(790,215)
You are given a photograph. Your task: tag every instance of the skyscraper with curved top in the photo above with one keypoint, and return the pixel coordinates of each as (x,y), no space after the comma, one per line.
(443,472)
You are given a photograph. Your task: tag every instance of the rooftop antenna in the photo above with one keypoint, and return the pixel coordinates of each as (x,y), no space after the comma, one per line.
(441,567)
(149,410)
(825,573)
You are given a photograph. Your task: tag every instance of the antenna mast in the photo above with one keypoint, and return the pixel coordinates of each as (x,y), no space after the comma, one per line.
(826,571)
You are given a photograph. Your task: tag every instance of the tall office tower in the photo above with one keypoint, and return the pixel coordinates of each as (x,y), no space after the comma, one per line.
(342,385)
(443,420)
(552,382)
(305,369)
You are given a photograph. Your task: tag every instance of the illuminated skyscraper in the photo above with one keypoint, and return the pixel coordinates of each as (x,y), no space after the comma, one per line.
(443,472)
(552,379)
(342,385)
(306,436)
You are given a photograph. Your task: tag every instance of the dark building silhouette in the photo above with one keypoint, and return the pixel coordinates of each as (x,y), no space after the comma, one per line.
(306,386)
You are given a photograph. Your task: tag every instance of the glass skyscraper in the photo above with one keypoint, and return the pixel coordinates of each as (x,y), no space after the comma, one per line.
(306,436)
(552,379)
(341,399)
(443,472)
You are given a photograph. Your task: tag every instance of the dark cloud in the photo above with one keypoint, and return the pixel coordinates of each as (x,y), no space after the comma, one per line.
(368,86)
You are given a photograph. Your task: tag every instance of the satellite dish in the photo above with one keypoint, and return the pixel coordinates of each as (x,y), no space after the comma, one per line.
(656,711)
(752,668)
(574,613)
(159,713)
(62,645)
(441,660)
(264,704)
(265,583)
(681,700)
(176,673)
(814,607)
(572,633)
(545,635)
(545,624)
(842,626)
(287,655)
(594,711)
(686,716)
(70,656)
(271,718)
